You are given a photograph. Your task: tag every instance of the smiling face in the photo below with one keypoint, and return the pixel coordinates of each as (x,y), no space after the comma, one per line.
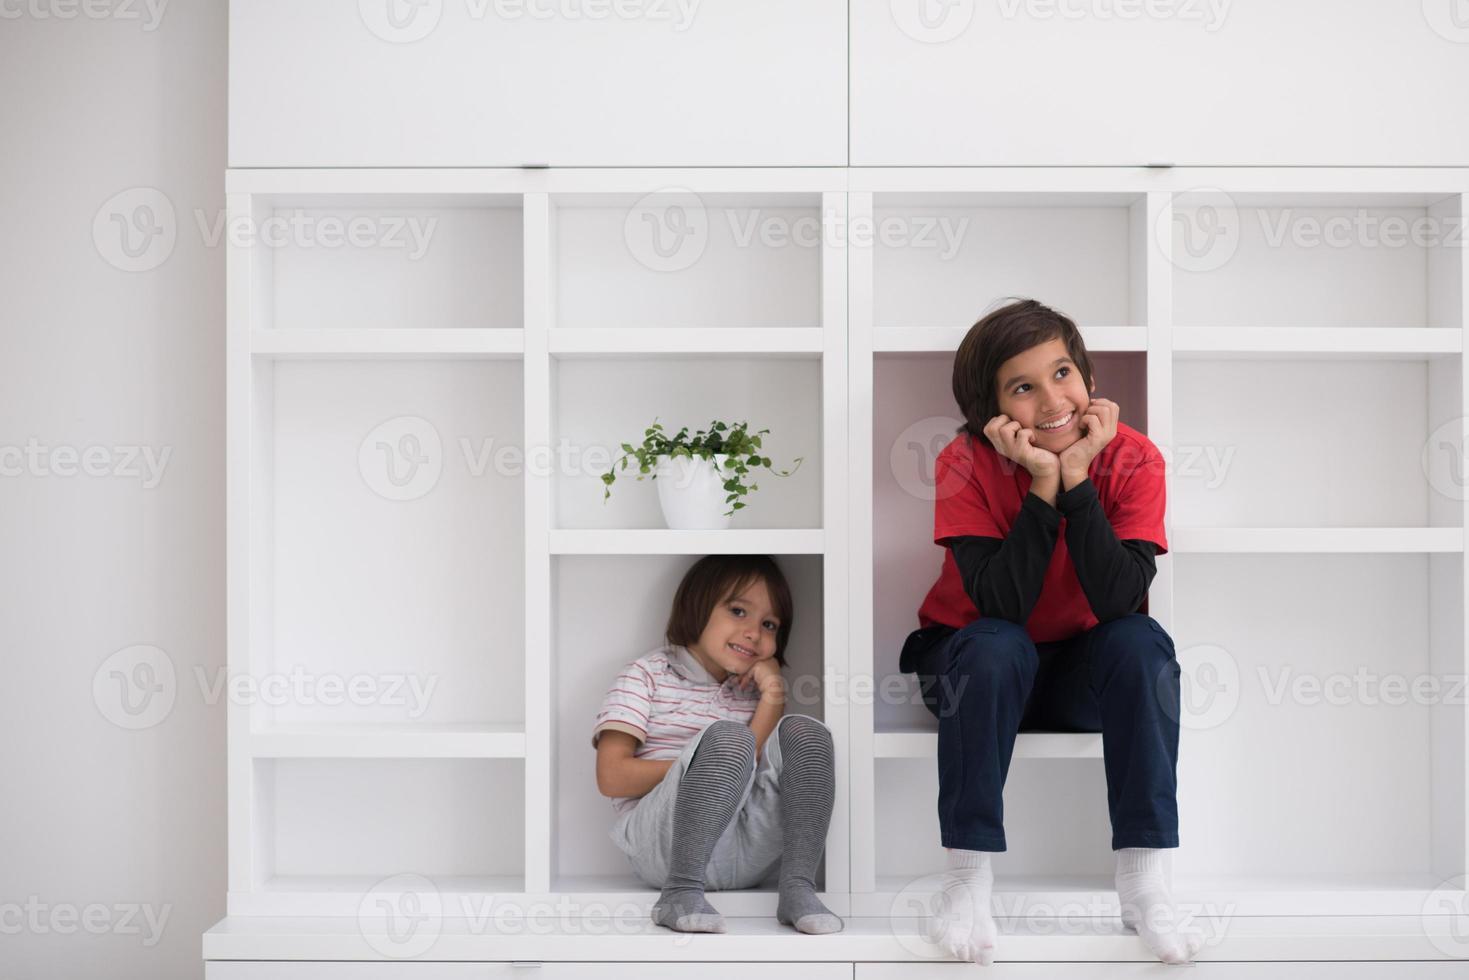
(1043,385)
(742,630)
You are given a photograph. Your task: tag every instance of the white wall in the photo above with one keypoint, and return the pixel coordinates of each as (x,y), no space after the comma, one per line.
(92,355)
(102,348)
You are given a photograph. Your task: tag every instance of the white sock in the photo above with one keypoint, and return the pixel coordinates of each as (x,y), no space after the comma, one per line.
(962,923)
(1145,891)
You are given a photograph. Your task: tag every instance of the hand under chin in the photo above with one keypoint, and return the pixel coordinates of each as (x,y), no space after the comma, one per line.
(1065,442)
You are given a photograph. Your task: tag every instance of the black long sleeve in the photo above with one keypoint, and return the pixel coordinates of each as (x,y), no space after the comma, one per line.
(1004,577)
(1114,575)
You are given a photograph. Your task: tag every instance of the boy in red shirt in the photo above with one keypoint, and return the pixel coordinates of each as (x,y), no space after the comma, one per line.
(1050,512)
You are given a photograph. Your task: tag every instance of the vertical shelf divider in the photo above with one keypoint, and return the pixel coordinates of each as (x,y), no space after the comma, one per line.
(861,654)
(536,366)
(1448,305)
(835,565)
(1457,763)
(1152,299)
(1152,242)
(240,262)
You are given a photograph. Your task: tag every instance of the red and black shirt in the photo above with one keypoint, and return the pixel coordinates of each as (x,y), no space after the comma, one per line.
(1058,571)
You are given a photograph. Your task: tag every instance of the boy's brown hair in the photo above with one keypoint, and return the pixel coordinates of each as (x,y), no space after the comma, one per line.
(714,578)
(1012,329)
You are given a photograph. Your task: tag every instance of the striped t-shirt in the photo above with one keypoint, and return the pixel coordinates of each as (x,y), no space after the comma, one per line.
(663,699)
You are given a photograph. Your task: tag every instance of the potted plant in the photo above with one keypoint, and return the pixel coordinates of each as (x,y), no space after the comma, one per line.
(703,475)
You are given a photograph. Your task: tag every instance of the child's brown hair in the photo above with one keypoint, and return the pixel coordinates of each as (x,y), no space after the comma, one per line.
(1012,329)
(714,578)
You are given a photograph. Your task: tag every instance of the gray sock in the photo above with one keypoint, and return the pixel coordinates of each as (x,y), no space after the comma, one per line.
(707,796)
(807,792)
(686,910)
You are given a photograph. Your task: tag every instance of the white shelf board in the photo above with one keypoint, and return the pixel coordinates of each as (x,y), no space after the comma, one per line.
(361,884)
(404,342)
(1314,540)
(306,895)
(934,199)
(875,938)
(1286,896)
(389,741)
(464,894)
(946,339)
(923,744)
(1313,342)
(660,541)
(971,186)
(491,184)
(613,891)
(745,341)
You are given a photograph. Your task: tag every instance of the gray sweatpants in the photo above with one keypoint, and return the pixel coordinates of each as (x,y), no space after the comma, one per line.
(746,853)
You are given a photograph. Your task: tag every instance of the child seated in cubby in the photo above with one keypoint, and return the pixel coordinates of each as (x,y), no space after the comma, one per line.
(712,783)
(1031,627)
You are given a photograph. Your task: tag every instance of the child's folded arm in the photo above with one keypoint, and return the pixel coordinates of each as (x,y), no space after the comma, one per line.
(619,772)
(768,713)
(1003,577)
(1114,574)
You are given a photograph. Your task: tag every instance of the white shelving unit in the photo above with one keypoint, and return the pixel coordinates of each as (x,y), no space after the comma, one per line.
(387,407)
(382,525)
(1320,545)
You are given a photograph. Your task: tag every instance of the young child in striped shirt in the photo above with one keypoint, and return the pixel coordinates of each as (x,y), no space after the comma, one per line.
(713,785)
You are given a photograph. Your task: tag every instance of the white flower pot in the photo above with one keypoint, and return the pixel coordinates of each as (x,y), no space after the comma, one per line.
(691,492)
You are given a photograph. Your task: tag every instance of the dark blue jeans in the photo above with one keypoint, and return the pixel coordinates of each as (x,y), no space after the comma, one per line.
(1120,678)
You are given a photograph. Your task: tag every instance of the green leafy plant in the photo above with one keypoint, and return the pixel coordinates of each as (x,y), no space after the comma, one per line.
(721,438)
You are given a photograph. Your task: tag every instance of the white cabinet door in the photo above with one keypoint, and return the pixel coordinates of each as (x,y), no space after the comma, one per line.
(1128,82)
(510,83)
